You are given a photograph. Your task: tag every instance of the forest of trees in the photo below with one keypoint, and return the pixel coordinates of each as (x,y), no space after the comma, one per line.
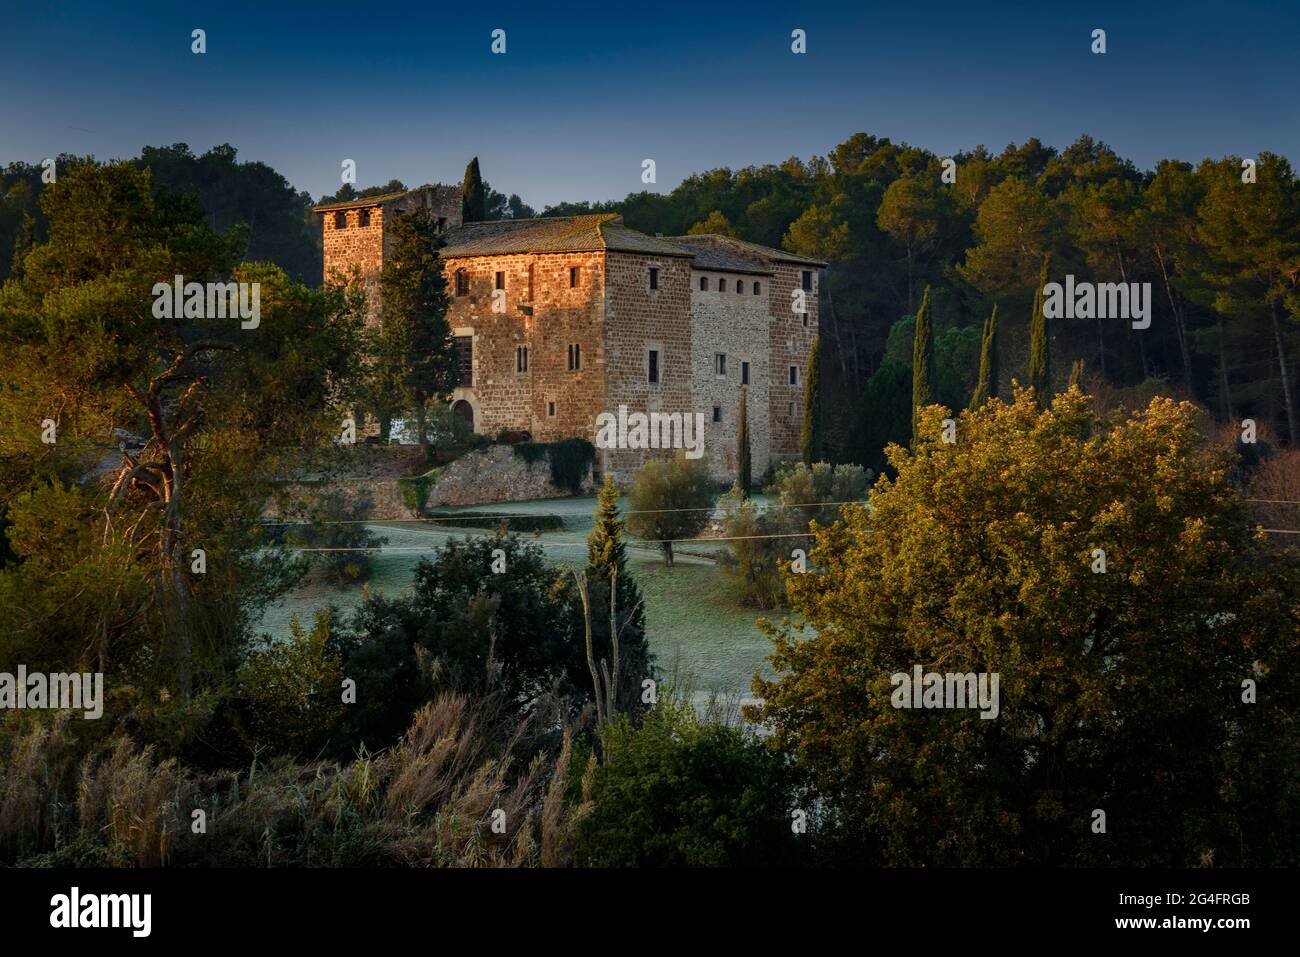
(1161,688)
(1220,254)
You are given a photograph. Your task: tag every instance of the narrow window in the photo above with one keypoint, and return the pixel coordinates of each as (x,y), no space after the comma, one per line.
(807,280)
(550,409)
(530,282)
(340,220)
(442,223)
(654,367)
(573,277)
(575,357)
(790,410)
(740,286)
(704,284)
(363,217)
(756,289)
(794,375)
(501,280)
(521,358)
(720,364)
(805,317)
(654,277)
(717,413)
(464,360)
(462,282)
(744,373)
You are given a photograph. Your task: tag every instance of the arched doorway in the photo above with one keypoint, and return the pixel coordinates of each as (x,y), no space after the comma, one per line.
(463,409)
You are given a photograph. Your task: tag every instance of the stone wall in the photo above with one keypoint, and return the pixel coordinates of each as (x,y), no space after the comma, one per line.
(546,316)
(637,320)
(496,474)
(734,324)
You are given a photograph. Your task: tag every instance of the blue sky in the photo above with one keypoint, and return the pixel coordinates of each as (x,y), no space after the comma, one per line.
(586,91)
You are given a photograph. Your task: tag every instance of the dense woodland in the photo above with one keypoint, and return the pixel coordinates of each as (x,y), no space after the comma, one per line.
(503,718)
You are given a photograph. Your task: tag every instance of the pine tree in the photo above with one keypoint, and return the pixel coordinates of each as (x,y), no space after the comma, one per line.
(1040,350)
(745,469)
(606,554)
(810,441)
(473,195)
(987,386)
(922,362)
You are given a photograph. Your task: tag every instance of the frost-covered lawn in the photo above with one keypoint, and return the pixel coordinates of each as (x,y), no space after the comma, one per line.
(696,628)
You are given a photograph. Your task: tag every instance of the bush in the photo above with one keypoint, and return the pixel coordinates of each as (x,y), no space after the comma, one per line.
(670,499)
(336,525)
(682,792)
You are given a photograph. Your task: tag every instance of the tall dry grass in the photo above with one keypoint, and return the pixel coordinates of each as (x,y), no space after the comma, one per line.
(427,802)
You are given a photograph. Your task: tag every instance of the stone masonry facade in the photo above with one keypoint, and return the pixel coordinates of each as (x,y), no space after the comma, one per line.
(558,320)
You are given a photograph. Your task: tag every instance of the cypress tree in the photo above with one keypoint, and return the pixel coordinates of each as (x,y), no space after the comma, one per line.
(810,441)
(1040,351)
(745,469)
(473,196)
(922,362)
(987,386)
(1076,375)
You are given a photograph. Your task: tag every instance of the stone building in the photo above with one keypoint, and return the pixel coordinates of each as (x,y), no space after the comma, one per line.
(558,320)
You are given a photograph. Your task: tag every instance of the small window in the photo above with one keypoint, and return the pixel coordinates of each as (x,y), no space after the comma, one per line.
(807,280)
(464,348)
(573,277)
(530,282)
(462,282)
(704,284)
(550,409)
(805,317)
(442,223)
(740,286)
(717,413)
(340,220)
(794,375)
(720,364)
(744,373)
(757,287)
(654,277)
(363,217)
(521,358)
(501,280)
(790,410)
(653,367)
(575,357)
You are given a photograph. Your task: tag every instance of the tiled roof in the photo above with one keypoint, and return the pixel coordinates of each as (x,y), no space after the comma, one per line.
(557,234)
(709,257)
(767,252)
(361,201)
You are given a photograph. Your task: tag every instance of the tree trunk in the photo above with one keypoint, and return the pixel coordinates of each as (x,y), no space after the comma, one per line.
(1180,321)
(668,553)
(1286,379)
(1225,395)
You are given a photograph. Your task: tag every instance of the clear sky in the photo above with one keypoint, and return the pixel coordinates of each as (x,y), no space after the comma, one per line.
(586,91)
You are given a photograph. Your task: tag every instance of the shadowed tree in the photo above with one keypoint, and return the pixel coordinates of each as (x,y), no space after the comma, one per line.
(473,195)
(986,386)
(923,385)
(744,456)
(1040,350)
(811,443)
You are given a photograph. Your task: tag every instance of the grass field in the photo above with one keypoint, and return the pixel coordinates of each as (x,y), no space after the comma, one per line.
(696,628)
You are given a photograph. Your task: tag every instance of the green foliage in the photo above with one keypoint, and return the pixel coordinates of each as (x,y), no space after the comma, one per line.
(762,539)
(335,524)
(882,416)
(1040,344)
(473,196)
(987,385)
(923,378)
(413,347)
(570,460)
(1120,690)
(744,455)
(606,559)
(682,792)
(670,499)
(416,488)
(289,693)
